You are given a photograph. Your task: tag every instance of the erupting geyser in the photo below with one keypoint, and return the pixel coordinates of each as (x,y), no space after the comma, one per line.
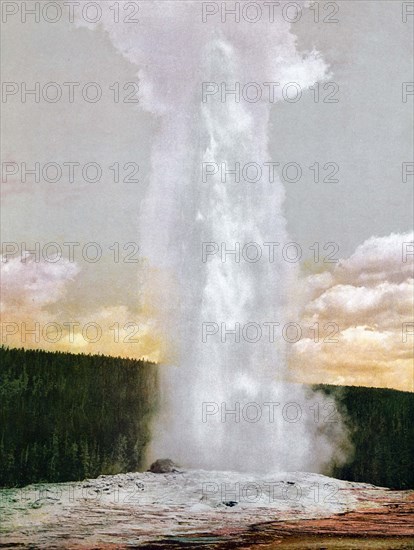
(176,53)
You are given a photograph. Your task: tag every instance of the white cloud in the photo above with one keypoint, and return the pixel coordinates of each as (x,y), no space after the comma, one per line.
(30,289)
(26,281)
(369,296)
(379,259)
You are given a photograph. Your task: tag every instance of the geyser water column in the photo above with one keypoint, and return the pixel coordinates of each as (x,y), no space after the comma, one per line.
(175,53)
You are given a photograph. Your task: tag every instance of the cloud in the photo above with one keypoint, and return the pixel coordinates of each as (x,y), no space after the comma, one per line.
(27,281)
(39,311)
(166,56)
(369,298)
(386,305)
(378,259)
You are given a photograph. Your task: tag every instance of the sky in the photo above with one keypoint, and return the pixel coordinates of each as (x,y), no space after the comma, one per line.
(367,214)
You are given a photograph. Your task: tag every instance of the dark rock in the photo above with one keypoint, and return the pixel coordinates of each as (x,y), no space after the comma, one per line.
(163,466)
(230,503)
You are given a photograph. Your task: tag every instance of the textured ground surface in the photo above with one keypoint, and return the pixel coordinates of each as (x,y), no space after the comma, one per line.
(217,510)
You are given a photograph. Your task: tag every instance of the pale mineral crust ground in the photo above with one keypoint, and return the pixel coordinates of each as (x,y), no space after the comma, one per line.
(205,509)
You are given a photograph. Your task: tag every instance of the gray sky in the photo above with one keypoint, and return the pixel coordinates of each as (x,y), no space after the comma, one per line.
(368,134)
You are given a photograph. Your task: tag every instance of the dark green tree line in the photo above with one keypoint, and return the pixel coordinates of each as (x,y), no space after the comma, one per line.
(380,422)
(66,417)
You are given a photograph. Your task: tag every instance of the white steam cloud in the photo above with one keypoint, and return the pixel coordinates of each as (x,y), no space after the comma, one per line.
(176,52)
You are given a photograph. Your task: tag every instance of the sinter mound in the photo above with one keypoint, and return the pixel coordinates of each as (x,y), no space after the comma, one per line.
(163,466)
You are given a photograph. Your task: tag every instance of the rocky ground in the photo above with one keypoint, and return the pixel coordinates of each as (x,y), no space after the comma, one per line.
(201,509)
